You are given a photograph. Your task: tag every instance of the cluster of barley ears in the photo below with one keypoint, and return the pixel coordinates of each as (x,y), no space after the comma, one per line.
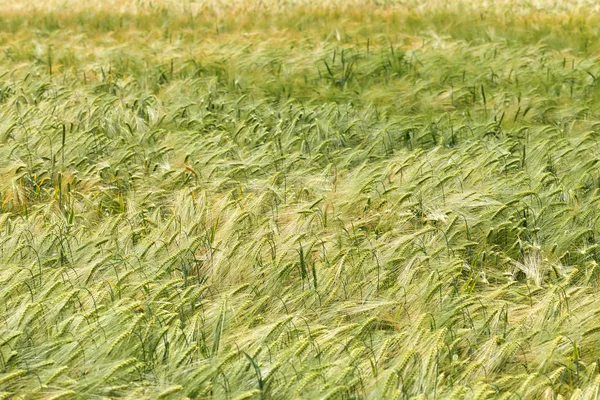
(388,201)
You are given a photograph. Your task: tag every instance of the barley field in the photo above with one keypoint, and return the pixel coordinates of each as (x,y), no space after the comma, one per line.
(299,200)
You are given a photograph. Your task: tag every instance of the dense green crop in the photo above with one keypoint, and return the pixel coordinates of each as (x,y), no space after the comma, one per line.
(374,201)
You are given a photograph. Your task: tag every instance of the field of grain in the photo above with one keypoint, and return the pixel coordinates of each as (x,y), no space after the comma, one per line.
(299,200)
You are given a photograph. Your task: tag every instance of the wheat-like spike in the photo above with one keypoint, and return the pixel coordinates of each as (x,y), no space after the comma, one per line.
(63,395)
(56,374)
(307,380)
(12,375)
(302,346)
(169,391)
(122,365)
(247,395)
